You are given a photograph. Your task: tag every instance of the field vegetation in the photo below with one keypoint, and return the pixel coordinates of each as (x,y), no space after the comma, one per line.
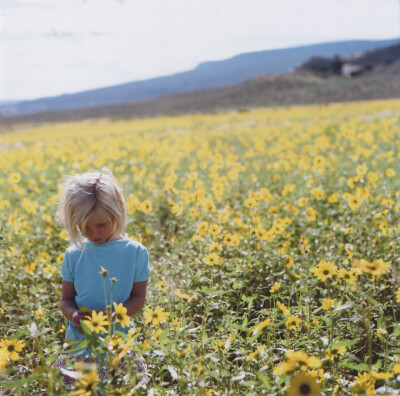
(274,244)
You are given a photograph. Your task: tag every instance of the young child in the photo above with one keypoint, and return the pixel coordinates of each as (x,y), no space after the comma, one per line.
(93,210)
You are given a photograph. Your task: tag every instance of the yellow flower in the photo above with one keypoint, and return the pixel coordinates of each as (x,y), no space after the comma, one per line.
(161,285)
(381,332)
(97,322)
(232,239)
(196,369)
(311,214)
(260,326)
(255,353)
(304,384)
(390,172)
(293,322)
(348,276)
(86,383)
(146,206)
(202,228)
(354,202)
(30,268)
(212,259)
(334,353)
(317,193)
(85,310)
(361,170)
(297,358)
(324,270)
(364,384)
(283,308)
(11,348)
(378,267)
(215,229)
(303,201)
(327,303)
(120,315)
(275,287)
(3,359)
(14,178)
(381,376)
(333,198)
(155,317)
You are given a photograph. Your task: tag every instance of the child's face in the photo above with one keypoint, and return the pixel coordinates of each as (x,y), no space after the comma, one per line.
(98,228)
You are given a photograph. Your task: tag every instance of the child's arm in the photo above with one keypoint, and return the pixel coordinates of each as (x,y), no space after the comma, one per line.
(68,305)
(136,301)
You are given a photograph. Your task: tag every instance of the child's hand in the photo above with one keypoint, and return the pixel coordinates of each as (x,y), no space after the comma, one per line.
(76,318)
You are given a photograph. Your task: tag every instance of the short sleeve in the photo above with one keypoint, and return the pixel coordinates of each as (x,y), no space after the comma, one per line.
(66,272)
(142,270)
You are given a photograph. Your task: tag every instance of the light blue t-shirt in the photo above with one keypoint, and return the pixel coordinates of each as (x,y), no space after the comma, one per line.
(125,260)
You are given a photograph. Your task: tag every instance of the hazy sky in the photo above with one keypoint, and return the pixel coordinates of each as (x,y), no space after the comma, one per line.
(51,47)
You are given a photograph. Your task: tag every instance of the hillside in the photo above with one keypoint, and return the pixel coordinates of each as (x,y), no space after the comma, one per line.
(209,75)
(270,90)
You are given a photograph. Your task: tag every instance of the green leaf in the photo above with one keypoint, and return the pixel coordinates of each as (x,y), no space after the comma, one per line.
(24,381)
(86,328)
(372,301)
(263,379)
(358,367)
(340,344)
(163,335)
(396,332)
(247,384)
(380,323)
(377,365)
(281,379)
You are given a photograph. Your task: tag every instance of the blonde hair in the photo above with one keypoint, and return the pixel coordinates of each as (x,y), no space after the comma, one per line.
(82,194)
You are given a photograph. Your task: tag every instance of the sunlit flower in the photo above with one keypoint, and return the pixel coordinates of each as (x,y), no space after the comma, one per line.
(260,326)
(276,286)
(121,316)
(97,322)
(212,259)
(293,322)
(146,206)
(324,270)
(304,384)
(377,267)
(348,276)
(381,332)
(327,303)
(331,354)
(3,359)
(156,316)
(364,384)
(255,353)
(283,308)
(86,383)
(11,348)
(390,172)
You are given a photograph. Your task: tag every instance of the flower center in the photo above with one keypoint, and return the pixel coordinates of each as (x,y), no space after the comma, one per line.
(10,348)
(305,389)
(326,272)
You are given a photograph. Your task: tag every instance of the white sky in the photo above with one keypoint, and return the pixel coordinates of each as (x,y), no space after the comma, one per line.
(51,47)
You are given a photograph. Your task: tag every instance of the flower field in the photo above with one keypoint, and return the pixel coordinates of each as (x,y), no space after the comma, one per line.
(274,242)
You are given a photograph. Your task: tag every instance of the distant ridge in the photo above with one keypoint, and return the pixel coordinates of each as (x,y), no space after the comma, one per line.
(208,75)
